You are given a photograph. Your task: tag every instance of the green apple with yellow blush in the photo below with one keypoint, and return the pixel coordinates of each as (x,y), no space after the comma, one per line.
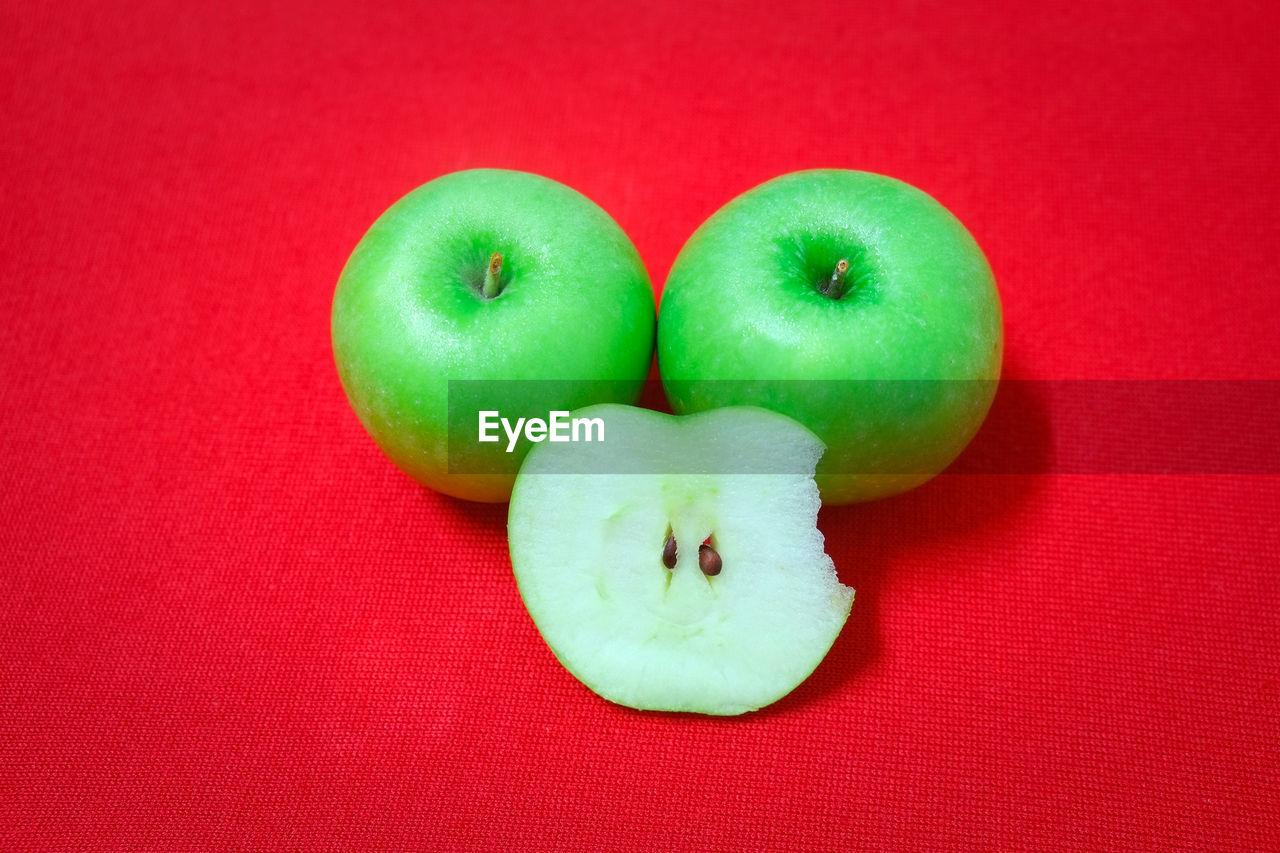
(850,301)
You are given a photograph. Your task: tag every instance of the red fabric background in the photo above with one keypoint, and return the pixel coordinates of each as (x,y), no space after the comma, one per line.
(227,621)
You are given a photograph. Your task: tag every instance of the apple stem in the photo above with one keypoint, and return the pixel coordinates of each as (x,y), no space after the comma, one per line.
(833,287)
(493,277)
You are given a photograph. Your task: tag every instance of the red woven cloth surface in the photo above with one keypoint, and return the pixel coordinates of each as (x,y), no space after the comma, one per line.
(227,621)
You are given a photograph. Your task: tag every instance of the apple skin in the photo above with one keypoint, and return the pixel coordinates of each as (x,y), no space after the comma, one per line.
(409,317)
(742,322)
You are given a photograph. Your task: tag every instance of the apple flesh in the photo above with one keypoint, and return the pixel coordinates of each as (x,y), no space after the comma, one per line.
(850,301)
(677,566)
(506,279)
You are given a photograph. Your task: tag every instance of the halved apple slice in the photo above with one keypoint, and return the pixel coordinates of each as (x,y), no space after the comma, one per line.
(677,565)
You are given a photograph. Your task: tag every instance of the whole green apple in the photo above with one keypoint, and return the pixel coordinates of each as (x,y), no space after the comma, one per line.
(495,280)
(852,302)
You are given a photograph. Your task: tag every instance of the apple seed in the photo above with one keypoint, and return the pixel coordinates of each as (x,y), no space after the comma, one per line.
(669,552)
(709,560)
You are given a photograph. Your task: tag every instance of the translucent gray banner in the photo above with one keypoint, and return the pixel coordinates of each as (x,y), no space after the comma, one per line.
(1033,426)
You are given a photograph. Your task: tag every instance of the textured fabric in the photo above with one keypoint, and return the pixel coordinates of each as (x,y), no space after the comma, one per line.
(226,621)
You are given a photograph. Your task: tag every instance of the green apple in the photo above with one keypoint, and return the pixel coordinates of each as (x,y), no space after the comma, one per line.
(851,302)
(677,565)
(487,275)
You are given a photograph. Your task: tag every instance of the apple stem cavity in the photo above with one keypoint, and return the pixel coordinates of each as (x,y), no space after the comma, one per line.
(709,560)
(833,288)
(492,277)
